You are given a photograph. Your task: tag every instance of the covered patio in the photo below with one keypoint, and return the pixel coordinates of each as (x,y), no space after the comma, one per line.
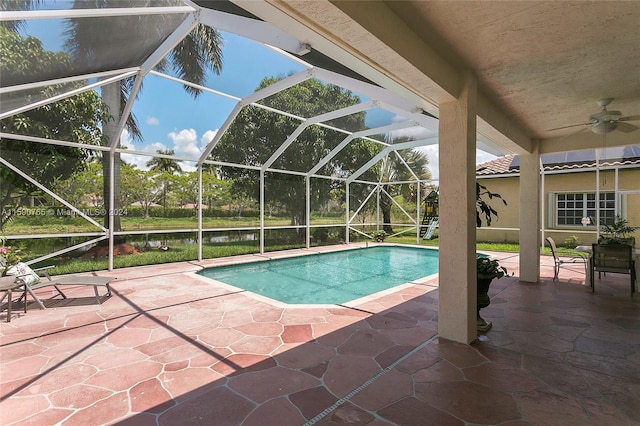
(419,60)
(170,347)
(493,75)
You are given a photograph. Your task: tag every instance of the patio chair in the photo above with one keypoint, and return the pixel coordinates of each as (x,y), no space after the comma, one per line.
(7,286)
(33,281)
(617,258)
(562,261)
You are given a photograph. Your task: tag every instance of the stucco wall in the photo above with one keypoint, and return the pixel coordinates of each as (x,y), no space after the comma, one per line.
(508,188)
(508,216)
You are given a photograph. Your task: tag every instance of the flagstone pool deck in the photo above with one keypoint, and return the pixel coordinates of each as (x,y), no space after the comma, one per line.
(172,348)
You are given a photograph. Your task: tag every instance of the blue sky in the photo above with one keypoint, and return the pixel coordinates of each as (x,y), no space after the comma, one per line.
(169,118)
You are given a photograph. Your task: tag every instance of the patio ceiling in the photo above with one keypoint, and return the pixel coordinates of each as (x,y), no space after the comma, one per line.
(540,65)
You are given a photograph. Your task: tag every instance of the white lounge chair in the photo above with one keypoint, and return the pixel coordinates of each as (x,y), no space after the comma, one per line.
(33,281)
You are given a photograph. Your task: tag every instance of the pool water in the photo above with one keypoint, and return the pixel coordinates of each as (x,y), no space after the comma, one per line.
(330,278)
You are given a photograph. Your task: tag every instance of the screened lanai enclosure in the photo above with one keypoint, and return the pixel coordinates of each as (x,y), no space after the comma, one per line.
(170,130)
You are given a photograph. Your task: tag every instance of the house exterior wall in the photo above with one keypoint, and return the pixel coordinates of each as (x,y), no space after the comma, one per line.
(508,216)
(508,188)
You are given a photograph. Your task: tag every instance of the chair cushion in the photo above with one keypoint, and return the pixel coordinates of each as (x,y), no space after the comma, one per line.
(24,274)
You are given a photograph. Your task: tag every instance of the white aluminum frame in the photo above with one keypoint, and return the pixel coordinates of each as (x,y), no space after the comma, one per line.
(261,32)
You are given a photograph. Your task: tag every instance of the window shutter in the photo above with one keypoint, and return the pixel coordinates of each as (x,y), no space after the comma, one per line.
(551,208)
(622,207)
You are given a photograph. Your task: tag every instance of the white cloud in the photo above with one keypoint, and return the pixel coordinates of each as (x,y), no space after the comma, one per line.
(208,137)
(414,133)
(156,146)
(139,161)
(125,139)
(152,121)
(185,143)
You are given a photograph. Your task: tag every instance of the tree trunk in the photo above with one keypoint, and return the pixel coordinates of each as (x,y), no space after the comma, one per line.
(385,206)
(386,220)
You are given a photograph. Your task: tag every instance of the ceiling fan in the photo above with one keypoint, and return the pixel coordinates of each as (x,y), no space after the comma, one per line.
(607,121)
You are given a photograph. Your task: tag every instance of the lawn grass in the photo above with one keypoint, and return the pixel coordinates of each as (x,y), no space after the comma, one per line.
(177,253)
(483,245)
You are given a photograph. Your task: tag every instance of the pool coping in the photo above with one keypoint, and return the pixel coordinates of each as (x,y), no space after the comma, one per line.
(429,281)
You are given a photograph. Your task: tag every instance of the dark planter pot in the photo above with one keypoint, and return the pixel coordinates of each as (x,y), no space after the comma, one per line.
(628,241)
(483,284)
(483,289)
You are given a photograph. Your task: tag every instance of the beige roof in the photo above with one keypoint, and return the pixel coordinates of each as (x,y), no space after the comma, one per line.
(498,166)
(566,161)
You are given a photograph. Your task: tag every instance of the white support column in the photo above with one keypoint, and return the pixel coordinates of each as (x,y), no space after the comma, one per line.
(261,211)
(457,314)
(307,182)
(597,195)
(530,216)
(111,155)
(346,213)
(378,208)
(543,207)
(199,233)
(616,206)
(418,220)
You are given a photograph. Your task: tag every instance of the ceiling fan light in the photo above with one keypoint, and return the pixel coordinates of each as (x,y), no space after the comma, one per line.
(603,127)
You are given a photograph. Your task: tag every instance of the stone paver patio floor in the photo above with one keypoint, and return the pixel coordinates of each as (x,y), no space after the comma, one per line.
(173,348)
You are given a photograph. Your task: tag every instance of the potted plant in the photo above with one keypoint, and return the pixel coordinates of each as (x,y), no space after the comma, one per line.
(9,256)
(619,232)
(378,235)
(487,269)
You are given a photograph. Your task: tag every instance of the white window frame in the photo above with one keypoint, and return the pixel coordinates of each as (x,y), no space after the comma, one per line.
(588,210)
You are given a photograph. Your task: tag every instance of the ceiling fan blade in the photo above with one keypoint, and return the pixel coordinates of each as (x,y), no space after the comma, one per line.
(568,127)
(630,118)
(573,134)
(606,116)
(626,127)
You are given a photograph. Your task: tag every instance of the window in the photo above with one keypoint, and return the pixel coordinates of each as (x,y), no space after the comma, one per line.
(571,208)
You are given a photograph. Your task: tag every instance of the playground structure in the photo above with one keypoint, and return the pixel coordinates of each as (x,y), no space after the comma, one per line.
(430,220)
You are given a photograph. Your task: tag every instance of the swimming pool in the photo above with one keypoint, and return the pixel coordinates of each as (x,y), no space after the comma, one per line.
(330,278)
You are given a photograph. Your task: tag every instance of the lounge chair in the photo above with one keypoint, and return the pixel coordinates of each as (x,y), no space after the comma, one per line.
(560,262)
(34,281)
(7,285)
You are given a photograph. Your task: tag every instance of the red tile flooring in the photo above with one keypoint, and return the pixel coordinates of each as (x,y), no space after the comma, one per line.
(172,348)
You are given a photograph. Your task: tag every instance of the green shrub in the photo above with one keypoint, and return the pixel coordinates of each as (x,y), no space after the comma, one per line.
(572,241)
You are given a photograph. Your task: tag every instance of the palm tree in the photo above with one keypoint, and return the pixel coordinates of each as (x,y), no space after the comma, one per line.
(93,44)
(167,165)
(161,164)
(16,5)
(394,170)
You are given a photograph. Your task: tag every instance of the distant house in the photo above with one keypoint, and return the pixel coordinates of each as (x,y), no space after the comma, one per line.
(192,206)
(569,183)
